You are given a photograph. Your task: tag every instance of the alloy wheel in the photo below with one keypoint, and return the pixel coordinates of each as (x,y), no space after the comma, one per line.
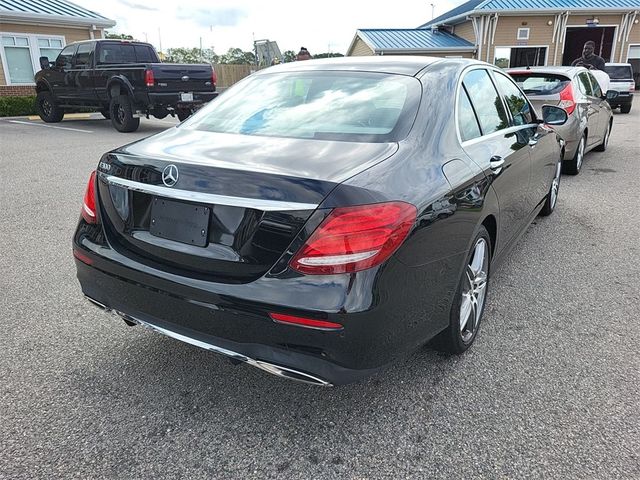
(474,291)
(46,107)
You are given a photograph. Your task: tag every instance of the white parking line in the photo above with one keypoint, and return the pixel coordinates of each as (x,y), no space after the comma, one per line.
(50,126)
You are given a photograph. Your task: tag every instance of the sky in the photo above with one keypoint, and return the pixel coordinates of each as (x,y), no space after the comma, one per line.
(327,26)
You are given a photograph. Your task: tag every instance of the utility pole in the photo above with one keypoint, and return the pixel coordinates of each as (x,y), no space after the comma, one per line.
(201,59)
(433,7)
(160,39)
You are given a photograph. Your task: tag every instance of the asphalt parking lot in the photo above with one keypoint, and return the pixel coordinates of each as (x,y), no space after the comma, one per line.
(550,389)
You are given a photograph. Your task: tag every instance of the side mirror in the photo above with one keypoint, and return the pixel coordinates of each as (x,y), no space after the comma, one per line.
(44,63)
(612,94)
(554,116)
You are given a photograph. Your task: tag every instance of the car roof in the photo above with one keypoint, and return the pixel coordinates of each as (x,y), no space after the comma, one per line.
(108,40)
(395,64)
(566,71)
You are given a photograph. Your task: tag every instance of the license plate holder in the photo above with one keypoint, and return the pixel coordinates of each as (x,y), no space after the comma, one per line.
(179,221)
(186,97)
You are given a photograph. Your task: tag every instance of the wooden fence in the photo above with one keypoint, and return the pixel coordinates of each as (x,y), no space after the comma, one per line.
(230,74)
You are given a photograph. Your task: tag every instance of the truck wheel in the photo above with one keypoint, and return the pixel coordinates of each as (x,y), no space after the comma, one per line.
(105,113)
(121,113)
(47,109)
(184,114)
(625,108)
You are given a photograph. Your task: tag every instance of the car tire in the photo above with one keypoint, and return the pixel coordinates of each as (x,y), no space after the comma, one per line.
(625,108)
(470,298)
(552,196)
(605,141)
(183,114)
(121,113)
(47,109)
(106,114)
(573,166)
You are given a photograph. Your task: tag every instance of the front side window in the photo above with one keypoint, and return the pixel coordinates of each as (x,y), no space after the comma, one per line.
(83,54)
(65,57)
(486,101)
(515,100)
(18,58)
(349,106)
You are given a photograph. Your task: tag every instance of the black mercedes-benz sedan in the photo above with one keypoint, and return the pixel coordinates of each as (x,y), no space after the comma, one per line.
(322,218)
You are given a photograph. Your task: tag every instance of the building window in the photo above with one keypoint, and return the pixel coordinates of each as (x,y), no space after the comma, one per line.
(523,34)
(509,57)
(49,47)
(17,54)
(20,55)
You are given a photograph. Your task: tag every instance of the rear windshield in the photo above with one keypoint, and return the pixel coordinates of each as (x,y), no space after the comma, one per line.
(619,72)
(540,83)
(335,105)
(126,53)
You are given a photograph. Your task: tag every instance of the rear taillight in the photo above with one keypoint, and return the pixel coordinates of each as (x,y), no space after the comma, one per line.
(89,202)
(566,99)
(632,86)
(149,79)
(214,77)
(351,239)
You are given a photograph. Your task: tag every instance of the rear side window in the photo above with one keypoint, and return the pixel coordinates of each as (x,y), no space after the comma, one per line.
(584,84)
(486,101)
(540,83)
(467,121)
(597,91)
(619,72)
(515,100)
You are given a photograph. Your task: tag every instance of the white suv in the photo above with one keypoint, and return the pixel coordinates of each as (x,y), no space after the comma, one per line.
(621,75)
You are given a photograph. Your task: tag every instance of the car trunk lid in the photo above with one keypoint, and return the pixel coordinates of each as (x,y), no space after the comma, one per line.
(220,206)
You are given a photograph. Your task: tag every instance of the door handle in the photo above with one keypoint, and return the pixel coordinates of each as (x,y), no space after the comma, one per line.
(495,163)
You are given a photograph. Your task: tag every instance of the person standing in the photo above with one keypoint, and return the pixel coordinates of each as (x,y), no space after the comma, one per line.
(589,59)
(303,54)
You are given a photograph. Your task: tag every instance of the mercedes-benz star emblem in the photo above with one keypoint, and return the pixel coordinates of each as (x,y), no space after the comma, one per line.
(170,175)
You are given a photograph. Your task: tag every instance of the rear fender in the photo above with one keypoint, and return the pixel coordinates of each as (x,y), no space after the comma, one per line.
(119,85)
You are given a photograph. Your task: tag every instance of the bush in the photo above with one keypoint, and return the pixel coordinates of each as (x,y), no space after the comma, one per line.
(15,106)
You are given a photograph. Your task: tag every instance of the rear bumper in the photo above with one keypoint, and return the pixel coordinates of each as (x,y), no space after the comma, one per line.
(622,99)
(381,320)
(173,99)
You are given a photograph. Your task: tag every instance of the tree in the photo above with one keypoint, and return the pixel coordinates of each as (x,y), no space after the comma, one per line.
(328,55)
(120,36)
(191,55)
(236,56)
(289,56)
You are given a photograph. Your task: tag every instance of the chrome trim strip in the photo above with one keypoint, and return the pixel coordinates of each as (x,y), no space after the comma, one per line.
(277,370)
(209,198)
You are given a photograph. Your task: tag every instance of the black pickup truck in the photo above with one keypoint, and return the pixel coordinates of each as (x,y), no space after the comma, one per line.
(123,80)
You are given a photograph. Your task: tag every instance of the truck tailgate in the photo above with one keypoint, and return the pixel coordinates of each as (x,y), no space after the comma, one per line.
(183,78)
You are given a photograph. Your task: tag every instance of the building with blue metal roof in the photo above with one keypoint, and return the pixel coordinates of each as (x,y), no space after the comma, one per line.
(30,29)
(402,41)
(513,33)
